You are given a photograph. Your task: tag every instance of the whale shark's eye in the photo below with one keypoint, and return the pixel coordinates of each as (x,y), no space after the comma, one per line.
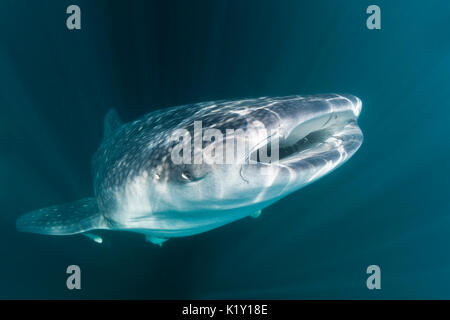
(186,175)
(192,173)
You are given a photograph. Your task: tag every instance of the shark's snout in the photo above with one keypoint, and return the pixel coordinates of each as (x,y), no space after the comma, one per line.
(355,102)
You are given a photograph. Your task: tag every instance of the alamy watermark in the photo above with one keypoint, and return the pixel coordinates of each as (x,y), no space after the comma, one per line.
(73,21)
(74,280)
(374,280)
(374,20)
(212,146)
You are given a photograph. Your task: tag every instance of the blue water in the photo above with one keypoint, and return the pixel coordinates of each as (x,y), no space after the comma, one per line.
(389,205)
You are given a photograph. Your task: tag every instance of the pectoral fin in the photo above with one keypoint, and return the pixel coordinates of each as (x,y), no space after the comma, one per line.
(256,214)
(155,240)
(93,237)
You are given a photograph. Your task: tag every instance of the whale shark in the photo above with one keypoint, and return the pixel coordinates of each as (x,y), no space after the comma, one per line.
(139,187)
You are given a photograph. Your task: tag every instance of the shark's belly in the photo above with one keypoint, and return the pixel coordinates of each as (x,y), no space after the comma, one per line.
(182,224)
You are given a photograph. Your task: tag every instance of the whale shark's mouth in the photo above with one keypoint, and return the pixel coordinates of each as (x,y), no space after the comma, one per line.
(307,143)
(317,138)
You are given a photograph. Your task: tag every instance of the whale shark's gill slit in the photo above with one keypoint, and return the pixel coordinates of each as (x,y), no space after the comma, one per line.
(242,175)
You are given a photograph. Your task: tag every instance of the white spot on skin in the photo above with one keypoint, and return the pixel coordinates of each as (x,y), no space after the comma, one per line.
(242,112)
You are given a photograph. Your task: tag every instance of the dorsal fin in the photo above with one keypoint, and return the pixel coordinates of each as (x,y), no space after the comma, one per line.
(112,123)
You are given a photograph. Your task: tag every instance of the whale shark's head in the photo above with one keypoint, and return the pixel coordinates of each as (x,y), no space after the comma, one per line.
(250,153)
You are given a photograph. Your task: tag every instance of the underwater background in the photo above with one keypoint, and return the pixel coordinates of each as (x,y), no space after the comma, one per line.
(388,205)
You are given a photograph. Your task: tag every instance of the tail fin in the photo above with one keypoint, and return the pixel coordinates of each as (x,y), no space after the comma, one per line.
(70,218)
